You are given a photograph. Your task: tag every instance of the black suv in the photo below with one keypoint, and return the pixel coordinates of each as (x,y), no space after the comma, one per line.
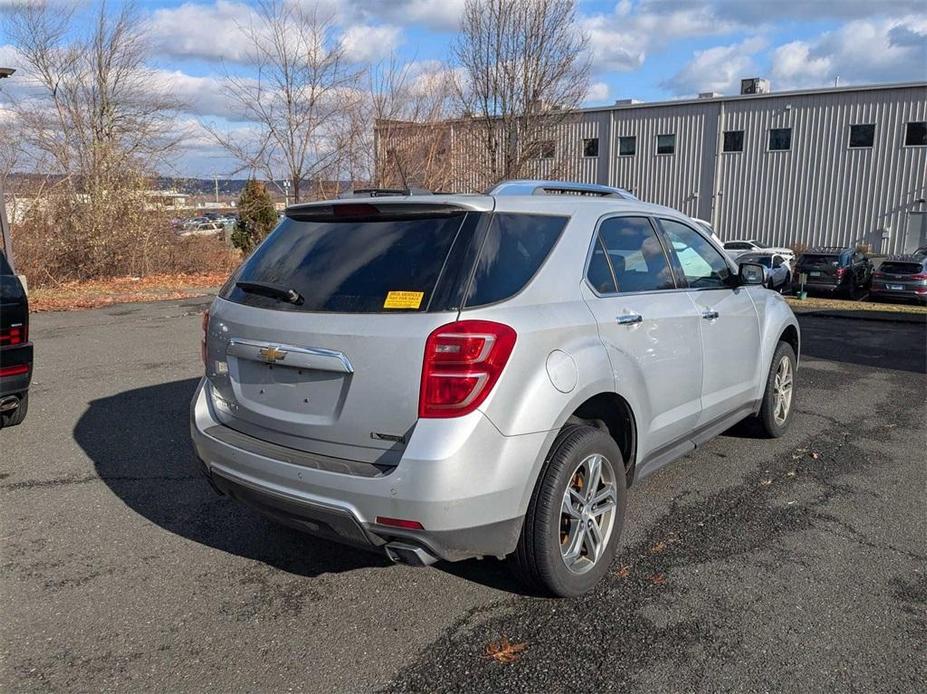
(15,348)
(833,270)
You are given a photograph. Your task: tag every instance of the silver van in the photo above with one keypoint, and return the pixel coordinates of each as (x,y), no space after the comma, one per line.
(444,377)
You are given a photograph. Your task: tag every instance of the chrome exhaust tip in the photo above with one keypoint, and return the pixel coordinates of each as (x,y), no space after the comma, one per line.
(403,553)
(9,403)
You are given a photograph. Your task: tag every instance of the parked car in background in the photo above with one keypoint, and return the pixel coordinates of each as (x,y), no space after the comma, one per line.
(778,269)
(738,247)
(833,270)
(450,376)
(202,229)
(901,277)
(15,347)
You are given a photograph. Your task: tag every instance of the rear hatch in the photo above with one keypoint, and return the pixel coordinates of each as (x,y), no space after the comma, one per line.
(820,268)
(316,343)
(900,276)
(15,348)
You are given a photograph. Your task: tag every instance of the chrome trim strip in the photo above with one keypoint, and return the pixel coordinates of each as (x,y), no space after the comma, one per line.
(331,360)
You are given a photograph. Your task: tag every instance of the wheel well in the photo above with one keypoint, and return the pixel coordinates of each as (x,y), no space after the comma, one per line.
(611,412)
(790,335)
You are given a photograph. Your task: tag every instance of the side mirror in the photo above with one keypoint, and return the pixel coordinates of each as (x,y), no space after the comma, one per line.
(752,273)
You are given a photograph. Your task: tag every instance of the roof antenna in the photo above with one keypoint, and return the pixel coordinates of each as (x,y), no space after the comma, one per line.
(402,174)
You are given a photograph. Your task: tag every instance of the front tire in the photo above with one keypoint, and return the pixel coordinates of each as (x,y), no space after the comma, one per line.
(778,398)
(576,514)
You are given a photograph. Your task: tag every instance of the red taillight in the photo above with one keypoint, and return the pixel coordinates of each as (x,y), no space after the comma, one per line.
(400,523)
(14,335)
(17,370)
(203,339)
(839,272)
(878,275)
(463,361)
(920,276)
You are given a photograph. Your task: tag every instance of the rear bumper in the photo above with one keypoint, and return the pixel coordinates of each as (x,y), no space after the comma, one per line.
(909,292)
(466,483)
(13,357)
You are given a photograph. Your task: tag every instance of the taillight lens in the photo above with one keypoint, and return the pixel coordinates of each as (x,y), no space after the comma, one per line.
(463,361)
(839,272)
(919,276)
(877,275)
(14,335)
(203,338)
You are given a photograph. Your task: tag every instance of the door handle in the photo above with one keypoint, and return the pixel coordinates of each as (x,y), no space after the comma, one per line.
(709,315)
(629,318)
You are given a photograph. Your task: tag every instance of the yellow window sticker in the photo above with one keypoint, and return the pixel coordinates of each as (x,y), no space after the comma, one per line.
(403,300)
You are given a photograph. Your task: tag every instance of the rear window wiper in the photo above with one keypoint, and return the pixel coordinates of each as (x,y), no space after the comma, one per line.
(274,291)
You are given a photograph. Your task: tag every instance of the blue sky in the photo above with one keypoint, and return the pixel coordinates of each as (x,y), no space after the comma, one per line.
(644,49)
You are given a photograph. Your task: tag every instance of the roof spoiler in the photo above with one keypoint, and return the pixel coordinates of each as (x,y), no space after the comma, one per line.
(520,187)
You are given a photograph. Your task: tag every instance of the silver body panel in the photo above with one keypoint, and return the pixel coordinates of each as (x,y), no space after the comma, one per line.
(694,360)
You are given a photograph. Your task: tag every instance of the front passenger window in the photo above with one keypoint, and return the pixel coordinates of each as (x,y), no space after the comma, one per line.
(701,264)
(628,252)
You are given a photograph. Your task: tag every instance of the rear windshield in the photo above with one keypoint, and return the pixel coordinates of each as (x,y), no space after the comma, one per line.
(896,268)
(410,264)
(819,259)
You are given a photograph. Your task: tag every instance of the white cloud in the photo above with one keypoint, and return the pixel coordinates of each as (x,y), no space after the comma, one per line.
(440,15)
(369,43)
(598,93)
(207,31)
(716,69)
(859,52)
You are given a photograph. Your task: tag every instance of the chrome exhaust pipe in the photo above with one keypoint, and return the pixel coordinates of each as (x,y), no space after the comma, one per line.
(403,553)
(9,403)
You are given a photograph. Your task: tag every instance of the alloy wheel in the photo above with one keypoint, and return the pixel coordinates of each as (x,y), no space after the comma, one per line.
(782,390)
(587,514)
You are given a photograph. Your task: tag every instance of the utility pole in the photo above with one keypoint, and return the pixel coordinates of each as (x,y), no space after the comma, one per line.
(4,223)
(215,178)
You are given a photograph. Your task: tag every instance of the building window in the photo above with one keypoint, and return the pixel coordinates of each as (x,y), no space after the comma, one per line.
(545,149)
(591,147)
(780,139)
(666,144)
(733,140)
(916,134)
(862,135)
(627,146)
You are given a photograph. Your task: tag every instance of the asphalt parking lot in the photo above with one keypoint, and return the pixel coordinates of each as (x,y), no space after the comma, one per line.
(751,565)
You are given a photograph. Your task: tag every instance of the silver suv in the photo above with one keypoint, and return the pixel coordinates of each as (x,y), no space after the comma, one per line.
(444,377)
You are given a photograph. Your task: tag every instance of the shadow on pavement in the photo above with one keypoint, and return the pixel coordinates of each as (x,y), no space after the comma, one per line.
(873,344)
(139,442)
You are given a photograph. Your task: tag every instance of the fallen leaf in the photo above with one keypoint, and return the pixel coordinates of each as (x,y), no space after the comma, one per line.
(815,455)
(657,579)
(623,572)
(765,483)
(790,473)
(657,548)
(503,651)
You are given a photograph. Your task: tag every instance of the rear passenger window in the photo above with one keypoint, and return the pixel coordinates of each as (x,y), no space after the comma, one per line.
(516,245)
(701,264)
(628,257)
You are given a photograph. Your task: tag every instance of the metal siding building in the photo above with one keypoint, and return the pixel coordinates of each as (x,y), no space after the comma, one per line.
(820,191)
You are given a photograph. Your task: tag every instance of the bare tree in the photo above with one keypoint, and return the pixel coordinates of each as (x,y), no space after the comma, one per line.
(91,111)
(404,135)
(295,100)
(92,120)
(524,72)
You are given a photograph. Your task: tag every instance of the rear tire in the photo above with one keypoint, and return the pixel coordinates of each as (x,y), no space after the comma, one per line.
(778,398)
(11,419)
(571,530)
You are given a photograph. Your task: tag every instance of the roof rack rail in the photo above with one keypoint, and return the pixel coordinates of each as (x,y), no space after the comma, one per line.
(527,187)
(383,192)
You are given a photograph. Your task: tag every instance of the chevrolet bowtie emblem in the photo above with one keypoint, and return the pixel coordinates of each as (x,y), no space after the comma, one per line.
(272,354)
